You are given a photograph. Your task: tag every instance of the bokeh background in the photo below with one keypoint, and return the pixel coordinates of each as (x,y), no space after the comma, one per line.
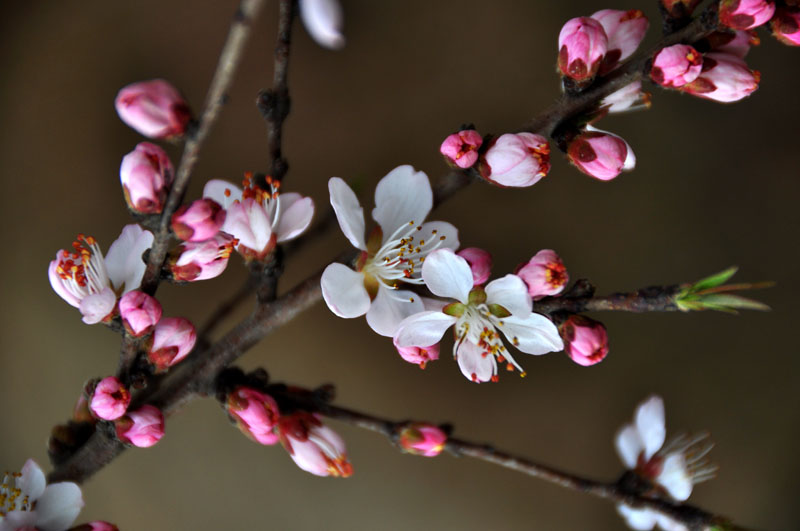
(715,185)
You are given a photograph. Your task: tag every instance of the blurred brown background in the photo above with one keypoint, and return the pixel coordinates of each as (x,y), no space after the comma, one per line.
(715,185)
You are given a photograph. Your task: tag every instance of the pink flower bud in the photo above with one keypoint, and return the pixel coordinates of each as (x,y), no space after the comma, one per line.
(677,65)
(680,8)
(480,262)
(153,108)
(745,14)
(625,31)
(110,399)
(256,414)
(544,274)
(97,525)
(199,221)
(313,446)
(173,340)
(418,355)
(786,25)
(421,439)
(600,154)
(734,42)
(139,312)
(724,78)
(143,427)
(517,160)
(585,340)
(582,43)
(629,96)
(146,174)
(193,261)
(461,149)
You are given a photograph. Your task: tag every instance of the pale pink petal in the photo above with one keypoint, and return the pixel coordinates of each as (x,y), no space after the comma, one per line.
(390,307)
(511,293)
(260,224)
(639,519)
(58,507)
(675,478)
(308,456)
(57,282)
(401,197)
(348,212)
(323,20)
(534,334)
(629,445)
(423,329)
(447,275)
(32,481)
(124,259)
(474,363)
(650,424)
(222,192)
(295,216)
(97,306)
(344,292)
(237,224)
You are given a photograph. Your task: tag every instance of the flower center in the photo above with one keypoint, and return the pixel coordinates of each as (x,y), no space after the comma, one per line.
(555,274)
(268,198)
(84,269)
(11,498)
(478,325)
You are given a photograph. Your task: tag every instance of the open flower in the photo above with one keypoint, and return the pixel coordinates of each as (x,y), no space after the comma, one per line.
(27,502)
(92,283)
(260,219)
(503,304)
(673,468)
(393,253)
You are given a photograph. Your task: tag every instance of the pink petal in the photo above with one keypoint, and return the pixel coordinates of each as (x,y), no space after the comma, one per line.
(295,216)
(344,292)
(390,307)
(348,212)
(447,275)
(97,306)
(402,196)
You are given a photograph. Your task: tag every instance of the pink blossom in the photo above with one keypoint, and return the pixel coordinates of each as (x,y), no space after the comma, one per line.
(582,43)
(600,154)
(421,439)
(585,340)
(153,108)
(786,25)
(625,31)
(745,14)
(146,174)
(313,446)
(323,21)
(516,160)
(193,261)
(480,262)
(173,340)
(680,8)
(256,414)
(418,355)
(143,427)
(544,274)
(110,399)
(139,312)
(724,78)
(677,65)
(199,221)
(461,149)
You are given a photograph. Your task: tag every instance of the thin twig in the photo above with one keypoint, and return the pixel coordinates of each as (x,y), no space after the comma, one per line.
(652,299)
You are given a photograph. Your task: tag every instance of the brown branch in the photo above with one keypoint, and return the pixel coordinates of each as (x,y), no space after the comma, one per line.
(652,299)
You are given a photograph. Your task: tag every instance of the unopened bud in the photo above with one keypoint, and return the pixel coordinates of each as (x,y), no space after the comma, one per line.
(110,399)
(146,174)
(153,108)
(173,340)
(585,340)
(628,97)
(582,43)
(139,312)
(745,14)
(421,439)
(418,355)
(600,154)
(785,25)
(677,65)
(313,446)
(680,8)
(480,262)
(516,160)
(624,30)
(544,274)
(734,42)
(461,149)
(193,261)
(724,78)
(199,221)
(143,427)
(256,414)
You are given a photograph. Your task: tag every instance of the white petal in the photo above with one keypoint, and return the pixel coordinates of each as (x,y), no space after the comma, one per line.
(32,481)
(640,519)
(295,216)
(323,21)
(629,445)
(260,224)
(443,229)
(348,212)
(472,362)
(57,282)
(58,507)
(215,189)
(535,334)
(344,292)
(431,304)
(668,524)
(124,259)
(650,424)
(511,293)
(390,307)
(15,520)
(447,275)
(630,160)
(675,478)
(401,197)
(97,306)
(423,329)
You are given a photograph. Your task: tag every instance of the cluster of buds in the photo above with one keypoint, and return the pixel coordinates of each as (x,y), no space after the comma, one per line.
(109,399)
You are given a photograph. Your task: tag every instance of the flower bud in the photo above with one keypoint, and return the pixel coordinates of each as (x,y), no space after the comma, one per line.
(624,30)
(585,340)
(199,221)
(193,261)
(143,427)
(626,98)
(256,414)
(323,21)
(461,149)
(677,65)
(544,274)
(680,8)
(139,312)
(745,14)
(110,399)
(146,174)
(421,439)
(173,340)
(313,446)
(418,355)
(517,160)
(582,43)
(480,262)
(97,525)
(153,108)
(734,42)
(724,78)
(600,154)
(785,25)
